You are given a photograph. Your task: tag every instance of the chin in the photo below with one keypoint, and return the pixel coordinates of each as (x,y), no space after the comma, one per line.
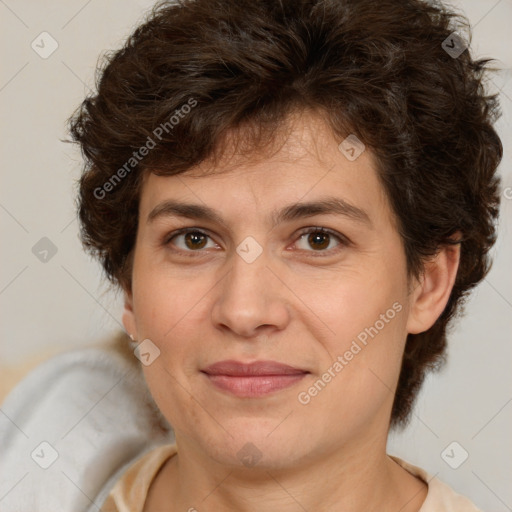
(254,447)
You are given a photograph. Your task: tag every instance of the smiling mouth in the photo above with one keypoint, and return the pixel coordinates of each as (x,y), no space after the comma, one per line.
(253,380)
(254,386)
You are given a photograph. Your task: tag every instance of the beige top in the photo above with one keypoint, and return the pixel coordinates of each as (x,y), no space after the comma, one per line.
(130,491)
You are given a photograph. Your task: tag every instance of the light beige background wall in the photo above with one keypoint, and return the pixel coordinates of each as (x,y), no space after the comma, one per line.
(47,307)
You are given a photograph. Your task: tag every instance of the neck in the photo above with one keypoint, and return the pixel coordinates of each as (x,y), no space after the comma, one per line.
(336,481)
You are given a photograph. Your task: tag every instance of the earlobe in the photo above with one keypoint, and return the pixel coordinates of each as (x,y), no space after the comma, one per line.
(431,295)
(129,317)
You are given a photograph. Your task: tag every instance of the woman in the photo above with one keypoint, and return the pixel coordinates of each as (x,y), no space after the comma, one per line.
(294,197)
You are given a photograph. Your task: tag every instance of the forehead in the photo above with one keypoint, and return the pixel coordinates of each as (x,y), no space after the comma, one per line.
(304,163)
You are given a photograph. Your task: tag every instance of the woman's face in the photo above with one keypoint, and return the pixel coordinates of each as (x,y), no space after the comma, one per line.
(334,306)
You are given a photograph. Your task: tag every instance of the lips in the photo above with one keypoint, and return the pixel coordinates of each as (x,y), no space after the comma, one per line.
(253,380)
(238,369)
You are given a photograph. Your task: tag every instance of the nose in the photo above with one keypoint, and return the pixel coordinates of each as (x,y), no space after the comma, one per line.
(251,300)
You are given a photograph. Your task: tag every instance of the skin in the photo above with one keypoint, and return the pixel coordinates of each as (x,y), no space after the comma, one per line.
(296,304)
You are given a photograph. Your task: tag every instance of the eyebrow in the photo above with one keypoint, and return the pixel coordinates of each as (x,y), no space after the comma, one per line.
(324,206)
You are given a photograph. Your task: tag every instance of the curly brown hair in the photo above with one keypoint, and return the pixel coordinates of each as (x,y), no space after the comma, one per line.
(379,70)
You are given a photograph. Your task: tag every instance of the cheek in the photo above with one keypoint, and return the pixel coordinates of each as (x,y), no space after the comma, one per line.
(163,303)
(367,332)
(359,306)
(172,311)
(170,391)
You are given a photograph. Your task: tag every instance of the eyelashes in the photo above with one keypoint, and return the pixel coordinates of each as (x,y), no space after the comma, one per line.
(316,235)
(323,232)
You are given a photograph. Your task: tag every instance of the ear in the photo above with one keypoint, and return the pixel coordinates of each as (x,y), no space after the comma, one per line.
(128,315)
(433,290)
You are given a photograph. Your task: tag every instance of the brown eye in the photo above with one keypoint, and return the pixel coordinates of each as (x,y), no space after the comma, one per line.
(193,240)
(320,239)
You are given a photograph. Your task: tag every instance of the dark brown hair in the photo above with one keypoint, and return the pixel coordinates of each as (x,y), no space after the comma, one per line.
(376,69)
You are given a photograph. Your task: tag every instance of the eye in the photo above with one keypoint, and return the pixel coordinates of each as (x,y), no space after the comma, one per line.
(320,239)
(193,239)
